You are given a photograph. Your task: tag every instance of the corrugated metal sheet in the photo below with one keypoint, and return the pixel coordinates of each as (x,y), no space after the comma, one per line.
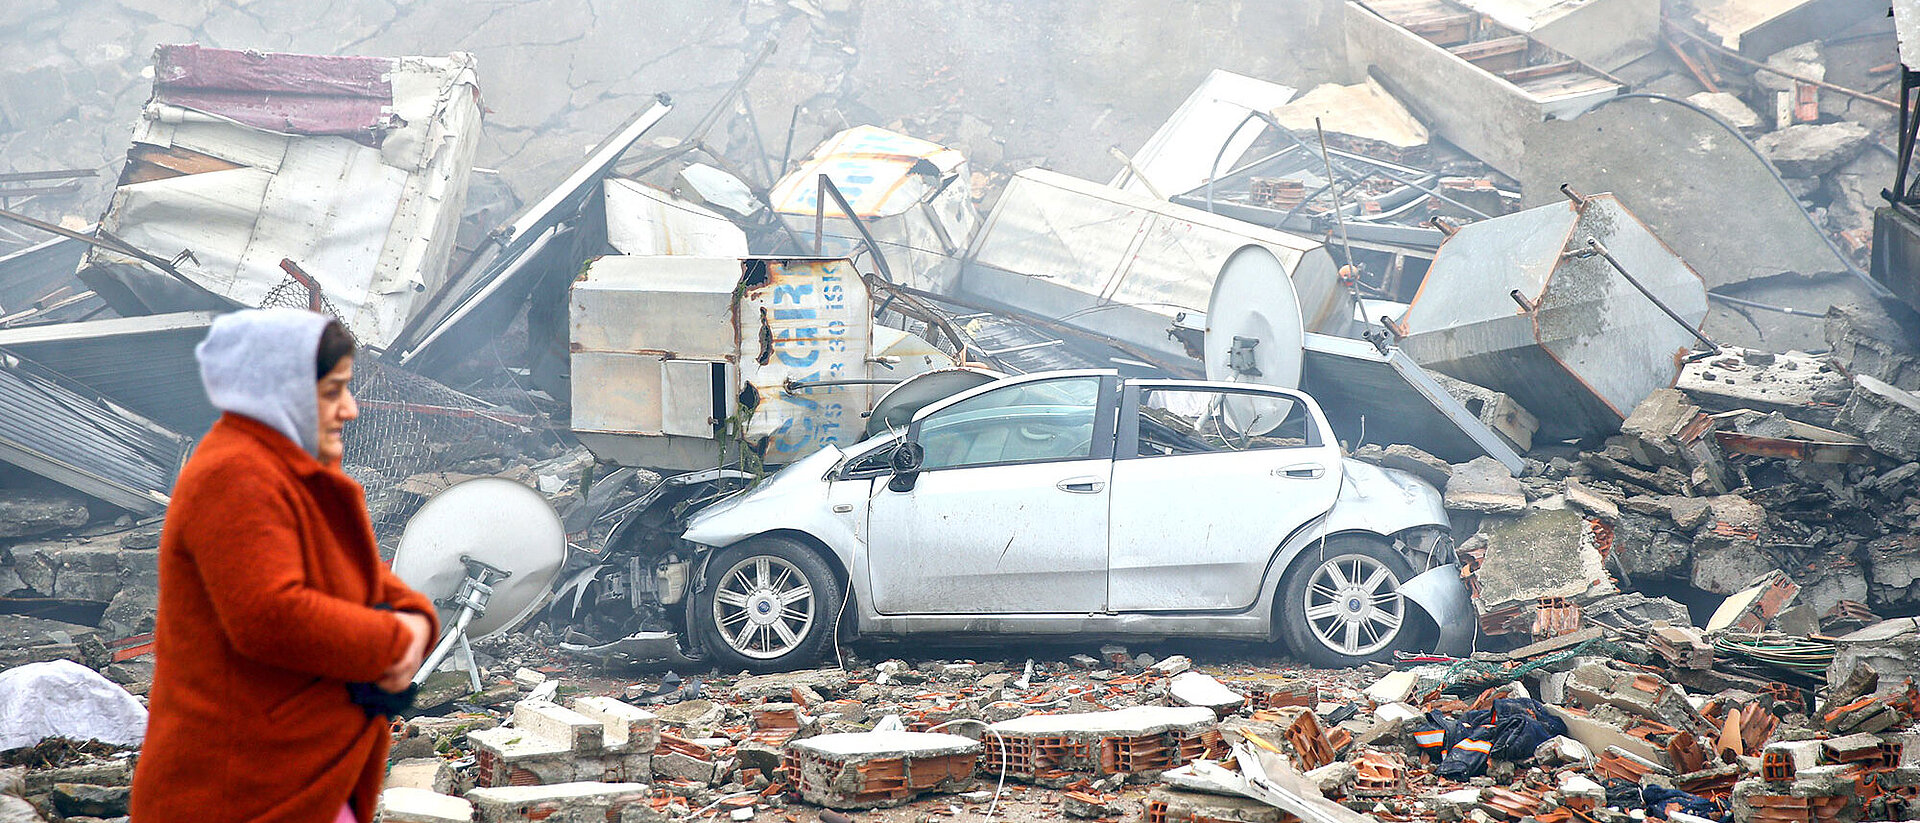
(144,363)
(57,429)
(43,273)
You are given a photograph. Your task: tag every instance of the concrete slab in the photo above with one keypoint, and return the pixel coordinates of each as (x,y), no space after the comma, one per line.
(415,805)
(522,804)
(1196,689)
(885,744)
(1686,193)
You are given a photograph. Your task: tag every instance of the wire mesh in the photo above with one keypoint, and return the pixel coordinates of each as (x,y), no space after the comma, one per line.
(409,425)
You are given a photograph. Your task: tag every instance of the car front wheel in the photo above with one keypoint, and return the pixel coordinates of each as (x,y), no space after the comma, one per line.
(1341,607)
(770,604)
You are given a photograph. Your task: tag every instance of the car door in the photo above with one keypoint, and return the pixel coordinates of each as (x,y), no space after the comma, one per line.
(1008,511)
(1208,481)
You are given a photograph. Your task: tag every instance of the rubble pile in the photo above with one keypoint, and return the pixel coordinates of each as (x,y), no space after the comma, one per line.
(1595,725)
(1691,567)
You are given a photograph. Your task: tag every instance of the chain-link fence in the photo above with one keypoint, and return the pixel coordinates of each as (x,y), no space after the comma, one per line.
(412,430)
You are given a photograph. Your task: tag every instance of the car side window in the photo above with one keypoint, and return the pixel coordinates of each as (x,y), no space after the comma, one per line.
(1025,423)
(1198,421)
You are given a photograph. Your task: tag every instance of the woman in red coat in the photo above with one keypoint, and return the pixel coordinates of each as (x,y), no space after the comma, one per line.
(281,637)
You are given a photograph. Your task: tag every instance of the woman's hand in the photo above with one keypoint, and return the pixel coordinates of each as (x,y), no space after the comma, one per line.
(400,675)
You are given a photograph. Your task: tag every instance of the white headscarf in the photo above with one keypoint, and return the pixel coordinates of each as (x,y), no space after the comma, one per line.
(260,363)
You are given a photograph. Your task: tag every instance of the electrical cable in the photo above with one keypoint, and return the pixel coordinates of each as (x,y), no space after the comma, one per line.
(1005,756)
(1873,286)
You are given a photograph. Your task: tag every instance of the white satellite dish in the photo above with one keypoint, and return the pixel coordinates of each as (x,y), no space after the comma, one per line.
(1254,334)
(486,551)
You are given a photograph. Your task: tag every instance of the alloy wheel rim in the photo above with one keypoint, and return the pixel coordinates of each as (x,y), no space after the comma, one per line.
(1353,605)
(763,607)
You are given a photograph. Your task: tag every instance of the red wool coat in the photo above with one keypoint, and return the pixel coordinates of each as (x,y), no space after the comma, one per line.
(268,579)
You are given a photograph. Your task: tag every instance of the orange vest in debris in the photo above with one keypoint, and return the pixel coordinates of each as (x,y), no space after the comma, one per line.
(268,580)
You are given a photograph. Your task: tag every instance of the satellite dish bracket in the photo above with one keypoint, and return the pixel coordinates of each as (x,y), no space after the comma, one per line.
(471,599)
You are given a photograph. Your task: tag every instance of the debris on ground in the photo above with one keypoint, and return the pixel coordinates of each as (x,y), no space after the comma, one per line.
(1632,290)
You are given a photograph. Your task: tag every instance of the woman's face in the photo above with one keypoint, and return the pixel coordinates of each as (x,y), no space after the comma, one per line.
(336,408)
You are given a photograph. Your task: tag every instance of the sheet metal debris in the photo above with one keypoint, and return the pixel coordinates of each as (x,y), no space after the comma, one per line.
(354,166)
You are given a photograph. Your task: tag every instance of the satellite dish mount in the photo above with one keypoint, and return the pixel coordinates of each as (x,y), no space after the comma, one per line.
(471,600)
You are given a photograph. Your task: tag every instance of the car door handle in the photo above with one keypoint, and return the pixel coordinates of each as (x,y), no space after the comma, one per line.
(1081,485)
(1301,471)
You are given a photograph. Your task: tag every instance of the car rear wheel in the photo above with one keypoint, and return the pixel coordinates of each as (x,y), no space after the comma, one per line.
(1341,606)
(770,604)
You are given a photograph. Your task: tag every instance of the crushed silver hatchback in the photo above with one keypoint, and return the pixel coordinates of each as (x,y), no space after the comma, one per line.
(1081,503)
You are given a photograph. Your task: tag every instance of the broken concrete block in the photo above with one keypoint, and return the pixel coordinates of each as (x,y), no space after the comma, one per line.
(1547,553)
(1682,646)
(1176,806)
(1196,689)
(1484,485)
(405,804)
(869,770)
(1576,786)
(1893,572)
(1890,649)
(1176,664)
(1333,778)
(1648,547)
(1418,463)
(1563,751)
(1498,410)
(429,774)
(1728,107)
(693,718)
(678,766)
(88,800)
(549,744)
(1654,428)
(1591,501)
(1637,693)
(566,801)
(780,686)
(1051,749)
(1875,340)
(1726,550)
(1752,608)
(526,678)
(1394,687)
(1089,806)
(34,512)
(624,726)
(1813,150)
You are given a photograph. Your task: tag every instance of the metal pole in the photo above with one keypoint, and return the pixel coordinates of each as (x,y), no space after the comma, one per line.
(879,259)
(820,214)
(1339,219)
(110,243)
(1594,243)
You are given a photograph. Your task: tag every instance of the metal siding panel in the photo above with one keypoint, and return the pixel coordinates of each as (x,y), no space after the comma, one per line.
(86,443)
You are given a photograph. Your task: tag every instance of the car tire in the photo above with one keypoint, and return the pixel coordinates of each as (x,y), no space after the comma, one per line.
(1332,620)
(769,604)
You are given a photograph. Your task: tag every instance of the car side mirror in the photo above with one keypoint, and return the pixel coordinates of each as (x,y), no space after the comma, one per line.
(905,462)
